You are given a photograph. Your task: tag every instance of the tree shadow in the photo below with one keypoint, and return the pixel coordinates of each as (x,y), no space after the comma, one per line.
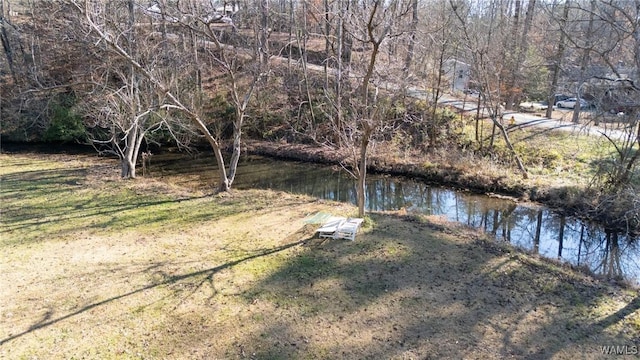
(629,309)
(26,218)
(387,297)
(200,277)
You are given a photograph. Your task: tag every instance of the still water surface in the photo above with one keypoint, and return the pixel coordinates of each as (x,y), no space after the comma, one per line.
(528,226)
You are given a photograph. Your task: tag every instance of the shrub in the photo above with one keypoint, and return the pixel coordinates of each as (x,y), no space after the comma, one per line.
(65,125)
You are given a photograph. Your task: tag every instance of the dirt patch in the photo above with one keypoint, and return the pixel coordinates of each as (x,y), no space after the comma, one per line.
(115,269)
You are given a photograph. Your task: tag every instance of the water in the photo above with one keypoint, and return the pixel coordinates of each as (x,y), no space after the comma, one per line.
(528,226)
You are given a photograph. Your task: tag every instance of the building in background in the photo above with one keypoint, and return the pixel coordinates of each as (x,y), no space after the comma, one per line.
(457,74)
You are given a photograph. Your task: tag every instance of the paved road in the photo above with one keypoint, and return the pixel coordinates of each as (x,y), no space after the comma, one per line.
(522,120)
(527,120)
(470,104)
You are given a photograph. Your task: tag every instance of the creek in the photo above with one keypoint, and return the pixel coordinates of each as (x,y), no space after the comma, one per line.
(531,227)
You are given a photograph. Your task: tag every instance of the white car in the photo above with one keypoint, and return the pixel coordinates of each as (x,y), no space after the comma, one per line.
(570,103)
(533,105)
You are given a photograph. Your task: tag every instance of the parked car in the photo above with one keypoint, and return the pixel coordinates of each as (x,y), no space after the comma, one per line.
(533,105)
(616,106)
(559,97)
(570,103)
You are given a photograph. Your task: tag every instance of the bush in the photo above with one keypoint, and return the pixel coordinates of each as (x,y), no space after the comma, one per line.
(65,126)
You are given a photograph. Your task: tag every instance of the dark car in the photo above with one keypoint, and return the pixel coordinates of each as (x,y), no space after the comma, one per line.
(616,106)
(559,97)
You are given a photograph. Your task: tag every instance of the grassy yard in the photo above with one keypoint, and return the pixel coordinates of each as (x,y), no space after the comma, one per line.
(100,268)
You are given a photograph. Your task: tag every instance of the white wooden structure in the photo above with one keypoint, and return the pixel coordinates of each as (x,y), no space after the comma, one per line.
(340,228)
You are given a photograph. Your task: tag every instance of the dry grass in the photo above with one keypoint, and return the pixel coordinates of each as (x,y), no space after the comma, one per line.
(96,267)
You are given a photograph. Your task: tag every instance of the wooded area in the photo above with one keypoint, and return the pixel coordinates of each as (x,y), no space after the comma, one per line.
(124,75)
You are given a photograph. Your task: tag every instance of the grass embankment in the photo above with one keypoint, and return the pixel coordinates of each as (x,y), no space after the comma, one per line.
(96,267)
(561,166)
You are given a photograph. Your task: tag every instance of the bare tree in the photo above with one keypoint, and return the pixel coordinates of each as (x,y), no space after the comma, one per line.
(586,49)
(519,49)
(122,104)
(189,16)
(411,44)
(442,65)
(615,41)
(558,58)
(372,25)
(482,33)
(120,116)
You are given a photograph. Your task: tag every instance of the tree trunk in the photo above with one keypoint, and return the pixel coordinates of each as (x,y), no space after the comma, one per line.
(293,26)
(584,62)
(436,94)
(521,52)
(128,169)
(370,114)
(236,150)
(327,42)
(128,160)
(505,135)
(408,60)
(536,239)
(478,123)
(129,156)
(224,184)
(303,61)
(362,169)
(264,32)
(339,73)
(558,60)
(512,55)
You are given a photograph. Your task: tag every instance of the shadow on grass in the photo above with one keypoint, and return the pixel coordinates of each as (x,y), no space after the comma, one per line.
(202,277)
(388,294)
(631,308)
(44,204)
(388,297)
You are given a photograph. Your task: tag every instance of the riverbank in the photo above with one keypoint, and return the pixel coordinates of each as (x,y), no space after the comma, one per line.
(461,173)
(566,191)
(97,267)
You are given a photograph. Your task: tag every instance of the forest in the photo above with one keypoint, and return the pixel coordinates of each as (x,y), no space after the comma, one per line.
(363,81)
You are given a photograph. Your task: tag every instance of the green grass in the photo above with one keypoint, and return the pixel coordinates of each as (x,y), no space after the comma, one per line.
(100,268)
(558,156)
(41,203)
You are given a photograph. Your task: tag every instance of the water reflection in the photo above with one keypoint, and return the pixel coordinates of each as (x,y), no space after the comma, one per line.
(530,227)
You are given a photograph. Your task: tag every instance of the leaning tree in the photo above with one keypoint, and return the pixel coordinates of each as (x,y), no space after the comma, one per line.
(203,27)
(486,35)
